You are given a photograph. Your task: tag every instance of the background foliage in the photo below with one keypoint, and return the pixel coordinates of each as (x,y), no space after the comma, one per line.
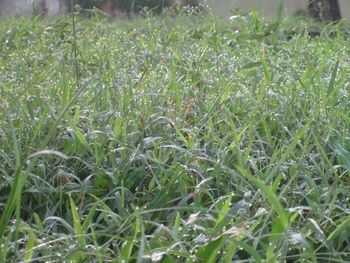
(130,5)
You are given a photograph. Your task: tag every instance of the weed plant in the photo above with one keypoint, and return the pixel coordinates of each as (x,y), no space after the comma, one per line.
(174,140)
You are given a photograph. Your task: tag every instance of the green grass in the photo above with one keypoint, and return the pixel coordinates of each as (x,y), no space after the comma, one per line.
(174,140)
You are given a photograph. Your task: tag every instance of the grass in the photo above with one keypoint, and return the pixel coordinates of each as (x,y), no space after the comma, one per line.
(174,140)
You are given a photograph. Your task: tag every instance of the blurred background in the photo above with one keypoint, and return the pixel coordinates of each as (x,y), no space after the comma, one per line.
(268,7)
(221,8)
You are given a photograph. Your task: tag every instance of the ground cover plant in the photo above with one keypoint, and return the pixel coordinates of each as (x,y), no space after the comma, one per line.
(174,140)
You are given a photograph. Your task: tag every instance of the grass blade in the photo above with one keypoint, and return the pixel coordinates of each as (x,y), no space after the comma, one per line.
(270,196)
(339,229)
(208,253)
(76,224)
(28,254)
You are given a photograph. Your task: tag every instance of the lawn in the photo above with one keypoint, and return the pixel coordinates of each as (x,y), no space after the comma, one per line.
(166,139)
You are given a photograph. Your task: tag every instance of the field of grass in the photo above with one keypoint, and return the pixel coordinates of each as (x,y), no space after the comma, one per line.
(174,140)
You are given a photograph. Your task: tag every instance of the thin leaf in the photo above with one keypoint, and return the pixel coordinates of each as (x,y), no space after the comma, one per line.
(88,220)
(340,229)
(48,152)
(341,152)
(331,85)
(271,197)
(208,253)
(252,65)
(79,135)
(28,254)
(76,224)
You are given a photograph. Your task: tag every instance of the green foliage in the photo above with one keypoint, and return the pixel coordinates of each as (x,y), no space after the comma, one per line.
(126,5)
(174,140)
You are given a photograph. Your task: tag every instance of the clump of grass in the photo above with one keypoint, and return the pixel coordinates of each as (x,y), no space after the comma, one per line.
(186,140)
